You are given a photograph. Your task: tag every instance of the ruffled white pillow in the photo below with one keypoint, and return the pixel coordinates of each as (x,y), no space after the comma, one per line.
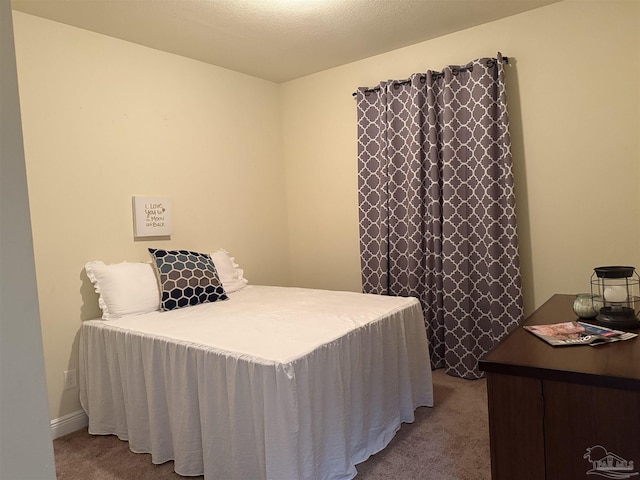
(230,273)
(124,288)
(132,288)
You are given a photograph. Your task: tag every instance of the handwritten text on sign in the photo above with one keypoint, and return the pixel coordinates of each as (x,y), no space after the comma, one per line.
(155,214)
(152,216)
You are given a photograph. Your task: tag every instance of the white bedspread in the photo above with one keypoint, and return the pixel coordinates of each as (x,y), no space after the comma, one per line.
(274,383)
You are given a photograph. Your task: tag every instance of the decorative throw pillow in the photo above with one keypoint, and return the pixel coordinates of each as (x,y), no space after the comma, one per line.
(124,288)
(231,275)
(186,278)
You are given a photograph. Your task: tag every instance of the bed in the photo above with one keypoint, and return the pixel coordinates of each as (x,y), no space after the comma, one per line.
(271,383)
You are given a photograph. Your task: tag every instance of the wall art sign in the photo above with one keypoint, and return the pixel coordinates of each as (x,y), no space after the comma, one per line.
(151,216)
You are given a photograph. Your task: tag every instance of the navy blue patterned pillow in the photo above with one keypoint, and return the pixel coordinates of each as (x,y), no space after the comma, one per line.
(186,278)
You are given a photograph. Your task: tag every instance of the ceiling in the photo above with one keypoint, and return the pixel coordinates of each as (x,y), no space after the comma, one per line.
(277,40)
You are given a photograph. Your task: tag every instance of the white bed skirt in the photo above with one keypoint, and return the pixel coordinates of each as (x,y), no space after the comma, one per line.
(229,415)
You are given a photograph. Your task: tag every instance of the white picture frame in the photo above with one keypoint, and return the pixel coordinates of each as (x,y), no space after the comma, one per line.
(151,216)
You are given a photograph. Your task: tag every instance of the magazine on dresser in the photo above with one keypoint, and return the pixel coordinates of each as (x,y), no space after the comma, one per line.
(577,333)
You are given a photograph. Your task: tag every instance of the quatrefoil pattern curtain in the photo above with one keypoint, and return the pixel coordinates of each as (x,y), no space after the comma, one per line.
(437,206)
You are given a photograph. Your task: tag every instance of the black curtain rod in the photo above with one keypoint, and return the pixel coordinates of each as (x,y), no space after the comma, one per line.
(404,82)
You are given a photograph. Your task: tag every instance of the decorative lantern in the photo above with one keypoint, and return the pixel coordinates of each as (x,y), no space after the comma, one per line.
(615,291)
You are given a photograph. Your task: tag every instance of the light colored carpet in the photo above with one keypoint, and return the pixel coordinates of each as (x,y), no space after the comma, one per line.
(447,442)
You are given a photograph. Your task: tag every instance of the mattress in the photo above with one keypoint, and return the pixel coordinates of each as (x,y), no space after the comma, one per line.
(274,383)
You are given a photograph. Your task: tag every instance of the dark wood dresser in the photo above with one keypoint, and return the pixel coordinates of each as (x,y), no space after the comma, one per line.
(563,413)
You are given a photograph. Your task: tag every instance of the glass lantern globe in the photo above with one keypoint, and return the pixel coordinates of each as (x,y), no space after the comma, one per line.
(615,292)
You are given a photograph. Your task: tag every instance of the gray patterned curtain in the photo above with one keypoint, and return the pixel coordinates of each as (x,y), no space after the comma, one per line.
(437,207)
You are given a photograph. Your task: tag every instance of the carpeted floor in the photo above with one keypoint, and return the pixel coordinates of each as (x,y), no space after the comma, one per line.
(447,442)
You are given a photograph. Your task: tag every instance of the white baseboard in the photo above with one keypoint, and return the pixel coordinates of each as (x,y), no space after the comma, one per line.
(68,423)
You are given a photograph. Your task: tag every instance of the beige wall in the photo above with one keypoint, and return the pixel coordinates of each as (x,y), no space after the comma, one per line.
(104,120)
(574,101)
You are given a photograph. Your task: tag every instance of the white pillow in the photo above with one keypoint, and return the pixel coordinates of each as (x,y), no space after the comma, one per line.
(231,275)
(124,288)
